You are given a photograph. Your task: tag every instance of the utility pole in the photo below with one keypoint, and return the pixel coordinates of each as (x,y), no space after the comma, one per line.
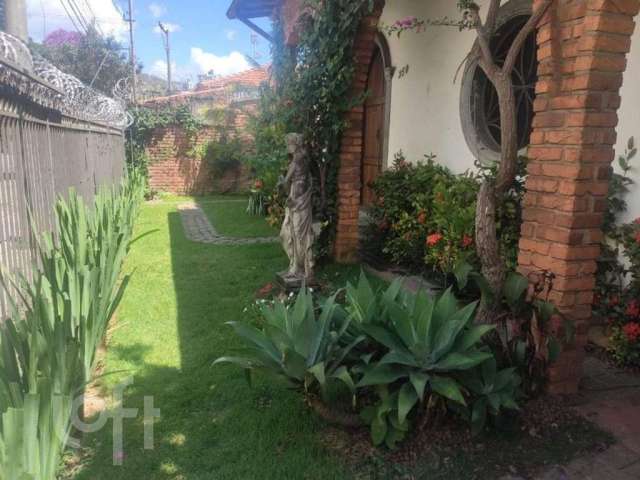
(167,46)
(132,54)
(15,19)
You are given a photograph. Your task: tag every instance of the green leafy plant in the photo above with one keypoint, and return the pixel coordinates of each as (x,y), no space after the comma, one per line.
(523,338)
(427,341)
(617,297)
(424,218)
(299,343)
(494,391)
(59,316)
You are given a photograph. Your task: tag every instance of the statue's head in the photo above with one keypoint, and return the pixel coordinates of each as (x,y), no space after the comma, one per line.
(295,142)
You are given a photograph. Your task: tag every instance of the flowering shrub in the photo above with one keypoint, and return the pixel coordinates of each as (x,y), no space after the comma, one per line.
(424,217)
(617,297)
(61,37)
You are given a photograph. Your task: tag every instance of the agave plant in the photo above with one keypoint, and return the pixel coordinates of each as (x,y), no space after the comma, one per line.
(427,341)
(300,343)
(493,390)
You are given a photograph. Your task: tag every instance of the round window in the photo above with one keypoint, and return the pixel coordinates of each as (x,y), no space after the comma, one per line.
(480,112)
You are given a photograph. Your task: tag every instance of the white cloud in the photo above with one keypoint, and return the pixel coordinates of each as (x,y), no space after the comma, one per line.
(157,10)
(159,68)
(45,16)
(221,65)
(172,27)
(231,35)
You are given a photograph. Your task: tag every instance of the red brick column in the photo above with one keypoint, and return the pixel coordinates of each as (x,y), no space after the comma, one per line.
(349,174)
(581,48)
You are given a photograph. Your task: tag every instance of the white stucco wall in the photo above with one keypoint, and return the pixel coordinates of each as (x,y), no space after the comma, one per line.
(425,103)
(629,121)
(425,110)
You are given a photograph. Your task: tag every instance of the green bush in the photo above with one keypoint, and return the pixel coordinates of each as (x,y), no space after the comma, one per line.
(59,317)
(224,155)
(425,215)
(402,356)
(617,298)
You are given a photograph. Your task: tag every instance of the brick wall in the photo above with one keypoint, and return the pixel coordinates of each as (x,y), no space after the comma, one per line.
(350,173)
(173,168)
(581,48)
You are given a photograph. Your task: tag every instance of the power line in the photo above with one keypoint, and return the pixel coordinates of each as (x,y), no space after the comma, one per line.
(79,15)
(71,17)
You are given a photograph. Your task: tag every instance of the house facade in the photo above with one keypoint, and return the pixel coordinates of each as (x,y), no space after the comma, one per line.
(577,107)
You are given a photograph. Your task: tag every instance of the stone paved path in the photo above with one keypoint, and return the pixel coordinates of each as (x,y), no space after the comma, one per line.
(610,398)
(198,229)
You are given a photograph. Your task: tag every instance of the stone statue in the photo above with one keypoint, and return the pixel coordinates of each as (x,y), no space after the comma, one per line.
(297,233)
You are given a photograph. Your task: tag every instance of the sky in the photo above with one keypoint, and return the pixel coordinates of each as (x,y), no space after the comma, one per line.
(202,37)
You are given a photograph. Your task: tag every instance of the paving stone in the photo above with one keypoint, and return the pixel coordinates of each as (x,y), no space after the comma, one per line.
(197,228)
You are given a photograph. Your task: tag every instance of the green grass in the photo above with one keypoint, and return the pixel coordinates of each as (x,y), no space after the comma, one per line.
(170,328)
(231,219)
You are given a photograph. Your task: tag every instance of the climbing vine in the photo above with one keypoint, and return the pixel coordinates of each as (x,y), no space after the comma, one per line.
(314,87)
(145,121)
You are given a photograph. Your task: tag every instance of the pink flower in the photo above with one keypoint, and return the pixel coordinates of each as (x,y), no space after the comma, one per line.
(434,239)
(637,221)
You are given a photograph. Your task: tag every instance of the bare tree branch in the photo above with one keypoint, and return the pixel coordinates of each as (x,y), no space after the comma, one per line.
(492,16)
(524,32)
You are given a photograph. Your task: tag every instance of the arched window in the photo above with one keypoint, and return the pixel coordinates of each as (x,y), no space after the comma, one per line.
(480,112)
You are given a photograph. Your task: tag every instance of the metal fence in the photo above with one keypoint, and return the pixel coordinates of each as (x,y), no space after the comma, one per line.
(43,153)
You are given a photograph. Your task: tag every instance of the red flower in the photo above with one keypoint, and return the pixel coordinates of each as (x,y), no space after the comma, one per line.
(467,241)
(638,237)
(258,184)
(633,309)
(433,239)
(422,218)
(632,331)
(614,300)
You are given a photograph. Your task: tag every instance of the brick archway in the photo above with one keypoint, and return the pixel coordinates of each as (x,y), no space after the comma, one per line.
(582,46)
(349,174)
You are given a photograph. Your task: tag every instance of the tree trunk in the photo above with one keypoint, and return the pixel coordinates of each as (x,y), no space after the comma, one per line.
(488,247)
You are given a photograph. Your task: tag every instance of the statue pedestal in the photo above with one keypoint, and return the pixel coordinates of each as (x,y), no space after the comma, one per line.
(291,283)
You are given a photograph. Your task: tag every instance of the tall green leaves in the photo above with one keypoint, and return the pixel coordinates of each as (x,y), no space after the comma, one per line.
(59,317)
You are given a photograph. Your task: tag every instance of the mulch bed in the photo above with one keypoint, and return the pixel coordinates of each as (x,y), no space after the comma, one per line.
(545,433)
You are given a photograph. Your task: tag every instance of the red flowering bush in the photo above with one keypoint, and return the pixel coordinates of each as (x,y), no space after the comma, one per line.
(624,344)
(424,218)
(618,282)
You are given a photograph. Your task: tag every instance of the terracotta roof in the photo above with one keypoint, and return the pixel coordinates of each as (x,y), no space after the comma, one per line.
(216,87)
(249,78)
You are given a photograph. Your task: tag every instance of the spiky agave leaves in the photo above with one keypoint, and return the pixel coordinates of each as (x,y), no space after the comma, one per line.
(427,341)
(301,343)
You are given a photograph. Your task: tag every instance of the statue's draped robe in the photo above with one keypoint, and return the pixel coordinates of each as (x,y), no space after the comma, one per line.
(297,230)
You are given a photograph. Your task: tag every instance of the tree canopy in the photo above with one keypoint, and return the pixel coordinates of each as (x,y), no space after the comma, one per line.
(84,55)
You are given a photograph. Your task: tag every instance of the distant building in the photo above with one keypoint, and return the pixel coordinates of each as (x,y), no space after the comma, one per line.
(214,93)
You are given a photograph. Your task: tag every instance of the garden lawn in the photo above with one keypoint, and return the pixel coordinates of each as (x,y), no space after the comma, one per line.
(231,219)
(170,327)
